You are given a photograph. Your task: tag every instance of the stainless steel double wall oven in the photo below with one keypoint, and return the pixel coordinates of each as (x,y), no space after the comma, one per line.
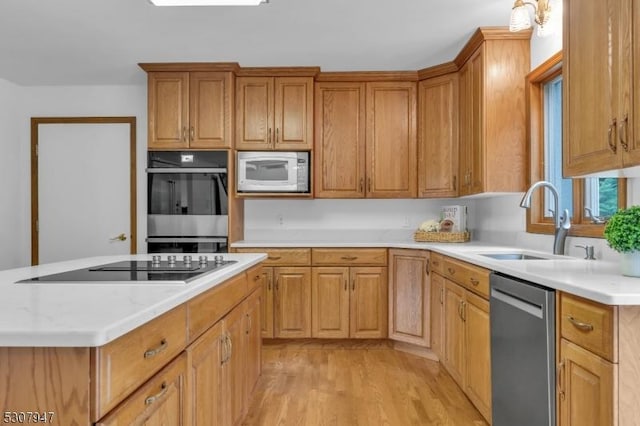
(187,202)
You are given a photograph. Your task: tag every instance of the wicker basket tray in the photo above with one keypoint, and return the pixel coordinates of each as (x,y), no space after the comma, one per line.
(441,237)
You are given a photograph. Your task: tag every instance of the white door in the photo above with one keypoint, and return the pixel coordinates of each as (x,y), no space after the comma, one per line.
(83,190)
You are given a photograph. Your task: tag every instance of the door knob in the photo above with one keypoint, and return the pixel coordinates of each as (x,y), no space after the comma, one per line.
(121,237)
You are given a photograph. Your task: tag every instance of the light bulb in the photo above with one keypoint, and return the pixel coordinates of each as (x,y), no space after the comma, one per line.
(520,19)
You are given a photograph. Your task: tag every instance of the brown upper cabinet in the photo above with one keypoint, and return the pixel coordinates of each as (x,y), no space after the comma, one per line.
(493,150)
(274,113)
(601,100)
(189,110)
(366,140)
(438,136)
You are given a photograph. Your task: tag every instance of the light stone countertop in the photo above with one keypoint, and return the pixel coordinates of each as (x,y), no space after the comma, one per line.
(597,280)
(92,314)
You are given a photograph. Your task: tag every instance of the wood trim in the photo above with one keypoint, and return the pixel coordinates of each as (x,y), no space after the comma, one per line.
(278,71)
(236,204)
(483,34)
(364,76)
(437,70)
(133,215)
(190,66)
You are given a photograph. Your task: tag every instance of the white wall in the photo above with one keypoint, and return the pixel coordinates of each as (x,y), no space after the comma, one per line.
(17,105)
(14,193)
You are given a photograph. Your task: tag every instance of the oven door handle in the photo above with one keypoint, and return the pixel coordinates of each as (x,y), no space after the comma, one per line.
(186,240)
(187,170)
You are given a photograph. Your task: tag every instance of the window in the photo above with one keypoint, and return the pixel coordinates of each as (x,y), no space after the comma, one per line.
(590,201)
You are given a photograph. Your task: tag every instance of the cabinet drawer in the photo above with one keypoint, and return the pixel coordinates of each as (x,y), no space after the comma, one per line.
(162,399)
(338,256)
(470,276)
(282,256)
(127,362)
(208,308)
(254,278)
(437,263)
(588,324)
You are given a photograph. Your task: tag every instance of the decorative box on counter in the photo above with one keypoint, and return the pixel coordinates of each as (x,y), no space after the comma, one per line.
(452,227)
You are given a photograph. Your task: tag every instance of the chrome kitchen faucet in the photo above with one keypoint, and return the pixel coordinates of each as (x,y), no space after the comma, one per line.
(562,223)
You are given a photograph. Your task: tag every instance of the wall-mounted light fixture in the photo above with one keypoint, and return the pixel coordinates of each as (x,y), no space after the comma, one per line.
(520,19)
(208,2)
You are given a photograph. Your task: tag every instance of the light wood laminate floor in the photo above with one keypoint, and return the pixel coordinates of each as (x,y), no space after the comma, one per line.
(355,384)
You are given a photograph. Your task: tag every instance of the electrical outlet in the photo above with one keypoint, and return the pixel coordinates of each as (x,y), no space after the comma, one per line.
(280,219)
(405,222)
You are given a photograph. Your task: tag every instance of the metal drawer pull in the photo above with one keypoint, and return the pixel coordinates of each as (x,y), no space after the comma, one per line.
(346,286)
(581,325)
(624,125)
(269,135)
(269,285)
(560,379)
(474,281)
(361,184)
(451,271)
(349,257)
(150,353)
(192,134)
(274,257)
(427,266)
(611,140)
(151,399)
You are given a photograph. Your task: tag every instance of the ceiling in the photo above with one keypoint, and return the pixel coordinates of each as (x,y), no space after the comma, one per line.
(100,42)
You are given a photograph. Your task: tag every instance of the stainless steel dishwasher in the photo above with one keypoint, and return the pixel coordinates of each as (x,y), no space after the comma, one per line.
(522,353)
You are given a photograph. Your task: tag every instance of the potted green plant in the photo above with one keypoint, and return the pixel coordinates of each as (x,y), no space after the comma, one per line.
(623,235)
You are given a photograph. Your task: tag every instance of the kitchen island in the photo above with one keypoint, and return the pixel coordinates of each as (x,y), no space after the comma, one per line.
(123,352)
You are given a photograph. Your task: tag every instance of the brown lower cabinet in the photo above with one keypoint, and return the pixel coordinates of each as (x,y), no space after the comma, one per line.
(292,301)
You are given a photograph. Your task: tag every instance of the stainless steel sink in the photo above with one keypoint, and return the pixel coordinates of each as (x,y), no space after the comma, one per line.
(514,256)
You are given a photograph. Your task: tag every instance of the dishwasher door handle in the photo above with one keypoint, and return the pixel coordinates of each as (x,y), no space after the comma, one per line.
(518,303)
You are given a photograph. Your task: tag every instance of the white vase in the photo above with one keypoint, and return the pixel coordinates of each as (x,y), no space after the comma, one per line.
(630,264)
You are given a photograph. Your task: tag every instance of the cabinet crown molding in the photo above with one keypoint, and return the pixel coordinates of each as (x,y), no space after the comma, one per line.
(278,71)
(190,66)
(483,34)
(364,76)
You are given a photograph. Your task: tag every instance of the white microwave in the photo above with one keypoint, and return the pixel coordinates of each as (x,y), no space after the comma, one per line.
(273,171)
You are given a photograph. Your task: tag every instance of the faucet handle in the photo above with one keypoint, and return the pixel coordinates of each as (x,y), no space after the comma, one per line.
(565,219)
(599,220)
(588,255)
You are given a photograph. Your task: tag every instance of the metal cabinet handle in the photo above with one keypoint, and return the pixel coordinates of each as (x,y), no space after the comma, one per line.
(361,184)
(612,143)
(230,346)
(442,296)
(474,281)
(184,134)
(451,271)
(274,257)
(277,280)
(269,284)
(369,184)
(427,269)
(277,135)
(346,286)
(349,257)
(460,309)
(150,353)
(269,135)
(464,311)
(121,237)
(192,134)
(353,286)
(624,130)
(151,399)
(580,325)
(223,342)
(559,379)
(455,183)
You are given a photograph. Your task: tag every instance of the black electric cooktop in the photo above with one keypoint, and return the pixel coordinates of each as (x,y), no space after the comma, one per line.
(135,270)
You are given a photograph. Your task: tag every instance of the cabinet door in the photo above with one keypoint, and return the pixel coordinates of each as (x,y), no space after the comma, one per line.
(253,344)
(590,68)
(339,140)
(409,296)
(454,352)
(368,311)
(292,302)
(477,160)
(168,110)
(438,137)
(266,307)
(477,353)
(235,326)
(210,110)
(160,401)
(206,358)
(586,387)
(629,131)
(391,149)
(437,315)
(294,113)
(254,113)
(465,130)
(330,302)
